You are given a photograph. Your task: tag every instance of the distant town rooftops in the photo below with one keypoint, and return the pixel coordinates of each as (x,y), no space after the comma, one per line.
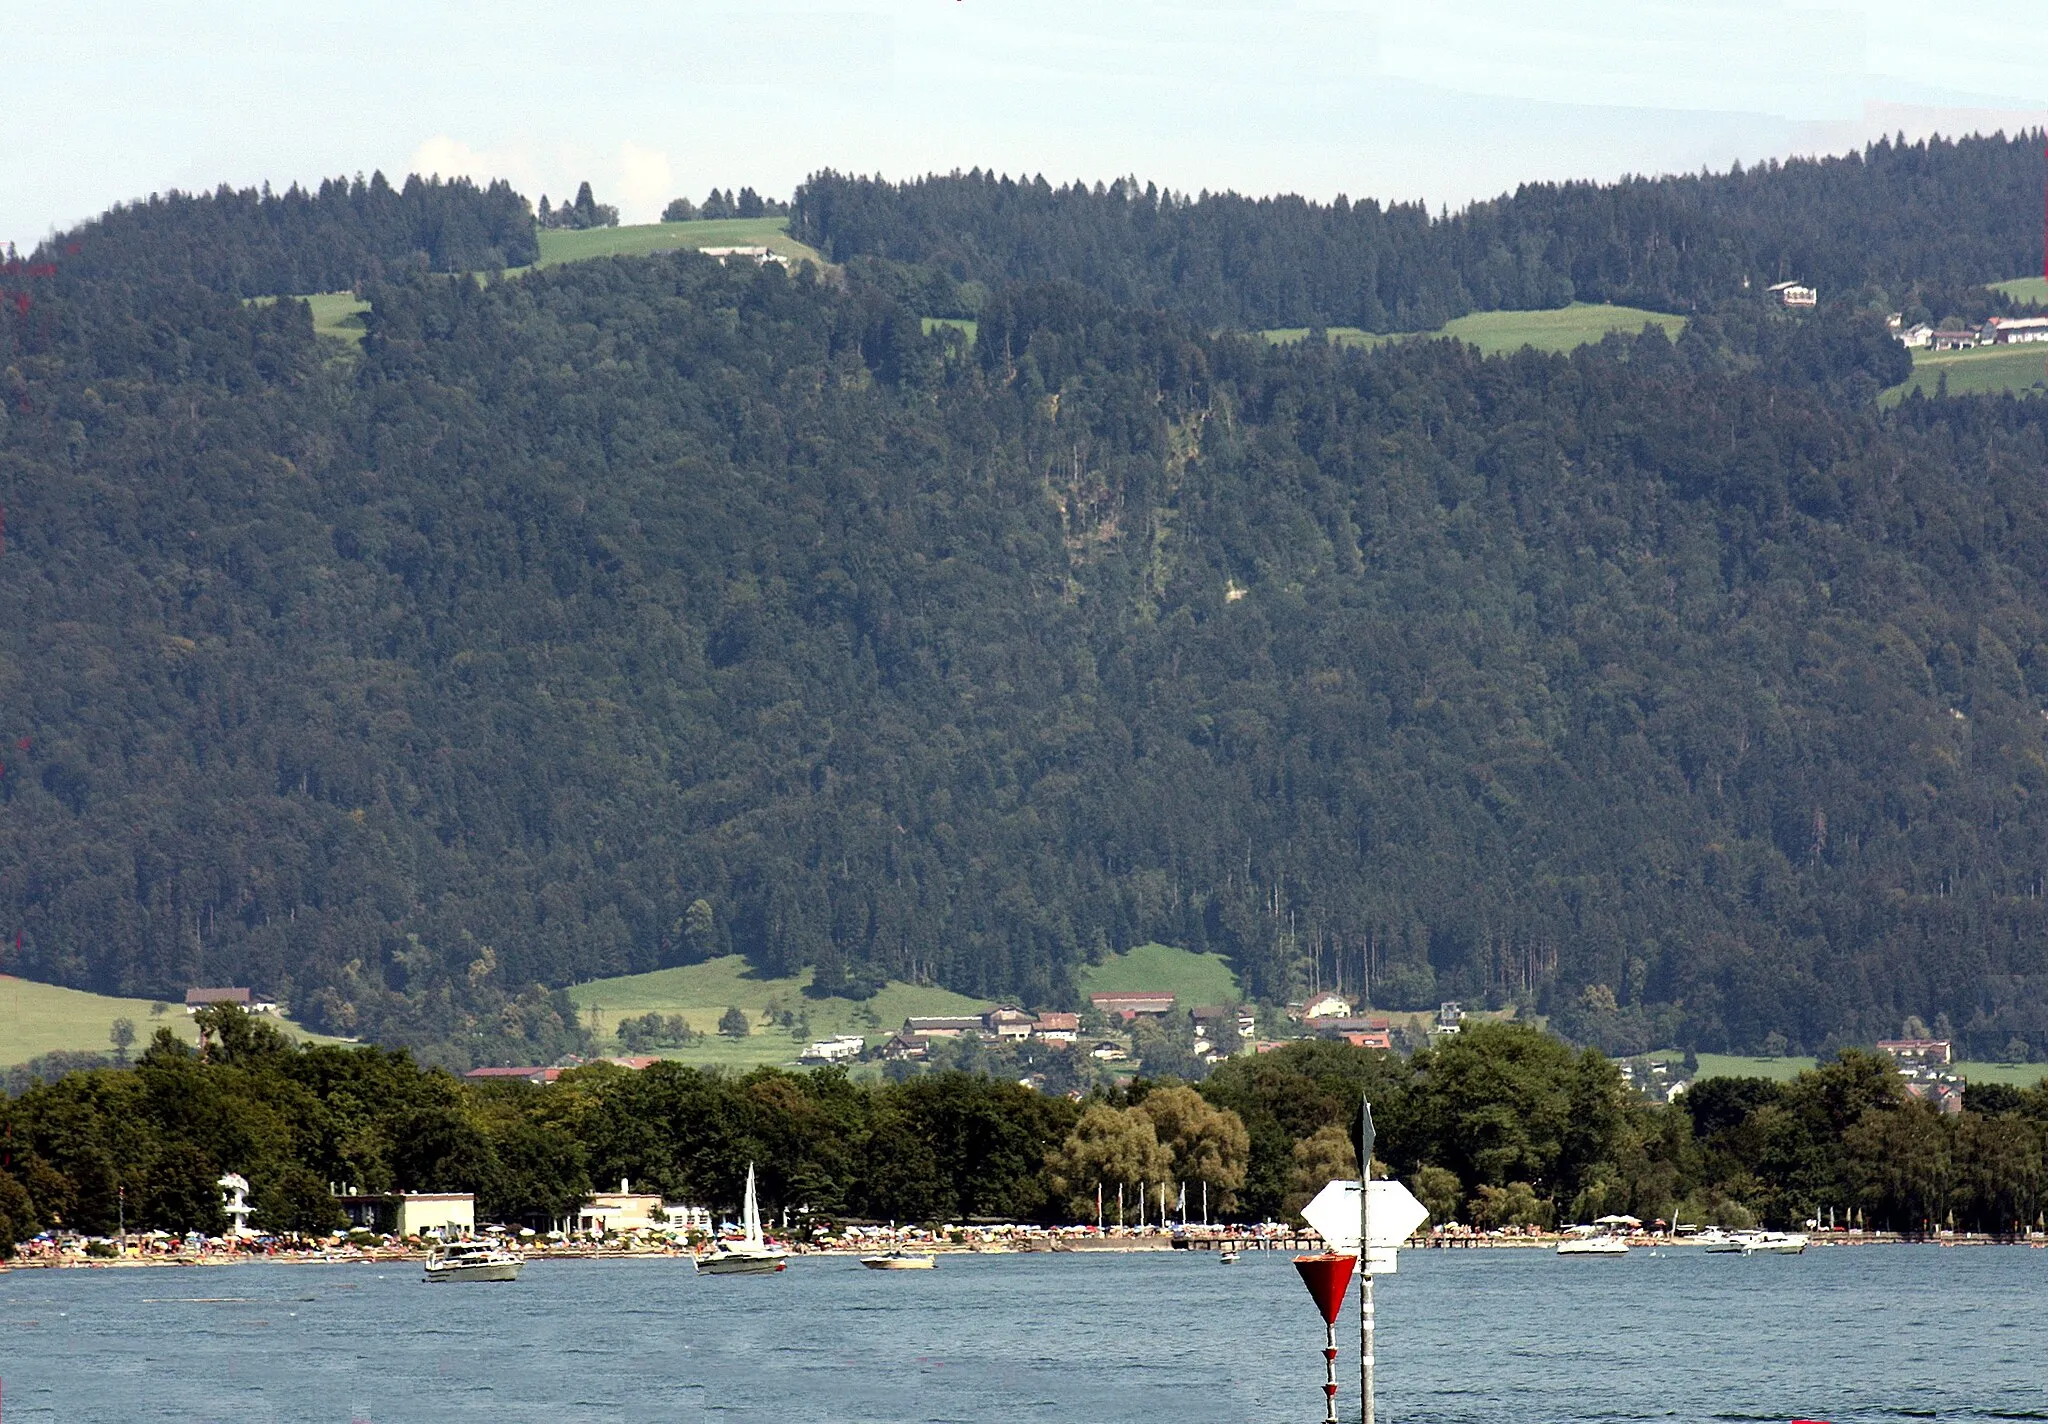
(1916,1050)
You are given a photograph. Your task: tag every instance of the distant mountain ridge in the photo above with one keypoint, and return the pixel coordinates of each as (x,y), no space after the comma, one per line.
(1888,224)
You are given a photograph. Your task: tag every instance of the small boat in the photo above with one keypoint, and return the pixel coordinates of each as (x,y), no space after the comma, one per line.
(1775,1243)
(898,1261)
(1227,1258)
(751,1255)
(1601,1245)
(473,1261)
(1723,1242)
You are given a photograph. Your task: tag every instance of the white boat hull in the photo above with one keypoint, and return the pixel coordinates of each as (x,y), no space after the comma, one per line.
(1592,1248)
(475,1271)
(736,1263)
(898,1263)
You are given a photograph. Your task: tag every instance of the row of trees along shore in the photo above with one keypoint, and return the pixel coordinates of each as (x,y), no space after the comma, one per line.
(1501,1125)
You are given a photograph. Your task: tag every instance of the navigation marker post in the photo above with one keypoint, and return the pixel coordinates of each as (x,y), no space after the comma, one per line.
(1328,1278)
(1346,1223)
(1365,1381)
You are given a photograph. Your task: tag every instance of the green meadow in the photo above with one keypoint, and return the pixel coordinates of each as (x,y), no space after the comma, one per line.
(558,245)
(1562,329)
(701,993)
(1194,980)
(2024,289)
(966,326)
(1986,370)
(43,1018)
(1730,1065)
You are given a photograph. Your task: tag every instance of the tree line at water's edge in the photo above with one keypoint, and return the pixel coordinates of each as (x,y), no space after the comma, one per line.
(1667,688)
(1499,1126)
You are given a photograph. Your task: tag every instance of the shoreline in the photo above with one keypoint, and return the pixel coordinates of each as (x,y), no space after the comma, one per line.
(1060,1246)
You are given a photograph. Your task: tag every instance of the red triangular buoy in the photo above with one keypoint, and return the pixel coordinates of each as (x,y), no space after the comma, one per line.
(1327,1277)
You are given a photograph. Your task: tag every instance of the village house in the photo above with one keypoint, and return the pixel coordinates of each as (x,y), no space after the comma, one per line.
(1450,1016)
(840,1048)
(906,1048)
(1007,1024)
(1953,340)
(244,999)
(1128,1006)
(759,256)
(2005,330)
(1793,294)
(1107,1052)
(1057,1027)
(944,1026)
(1337,1027)
(529,1075)
(1325,1006)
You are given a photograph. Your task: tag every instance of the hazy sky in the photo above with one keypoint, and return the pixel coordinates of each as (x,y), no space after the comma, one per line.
(1443,101)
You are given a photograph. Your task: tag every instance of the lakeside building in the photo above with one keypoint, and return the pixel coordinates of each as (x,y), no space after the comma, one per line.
(1794,294)
(408,1213)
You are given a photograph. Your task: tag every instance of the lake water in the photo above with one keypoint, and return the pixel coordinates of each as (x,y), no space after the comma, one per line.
(1470,1337)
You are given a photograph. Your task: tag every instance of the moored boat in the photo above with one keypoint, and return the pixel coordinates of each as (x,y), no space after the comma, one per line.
(898,1261)
(1601,1245)
(1775,1243)
(473,1261)
(751,1255)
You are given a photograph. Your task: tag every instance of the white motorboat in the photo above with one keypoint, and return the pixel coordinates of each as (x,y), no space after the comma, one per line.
(751,1255)
(1600,1245)
(473,1261)
(898,1261)
(1227,1258)
(1775,1243)
(1715,1239)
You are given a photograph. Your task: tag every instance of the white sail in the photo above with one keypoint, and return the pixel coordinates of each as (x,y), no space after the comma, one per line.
(751,1220)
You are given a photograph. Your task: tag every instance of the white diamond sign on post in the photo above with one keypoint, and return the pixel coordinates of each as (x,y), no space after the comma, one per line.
(1395,1215)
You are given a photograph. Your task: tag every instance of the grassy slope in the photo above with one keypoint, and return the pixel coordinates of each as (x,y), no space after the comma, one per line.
(1728,1065)
(565,245)
(1984,371)
(1493,332)
(2024,289)
(42,1018)
(702,992)
(1194,979)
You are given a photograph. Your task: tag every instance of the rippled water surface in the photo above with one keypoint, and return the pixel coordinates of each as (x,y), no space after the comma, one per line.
(1489,1337)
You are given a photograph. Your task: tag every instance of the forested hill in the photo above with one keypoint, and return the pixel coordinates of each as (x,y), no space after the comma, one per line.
(1669,688)
(251,243)
(1897,224)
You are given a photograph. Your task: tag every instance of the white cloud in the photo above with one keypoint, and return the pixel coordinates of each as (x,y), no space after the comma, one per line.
(646,183)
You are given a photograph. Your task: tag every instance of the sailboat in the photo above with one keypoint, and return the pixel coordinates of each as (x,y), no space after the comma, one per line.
(749,1256)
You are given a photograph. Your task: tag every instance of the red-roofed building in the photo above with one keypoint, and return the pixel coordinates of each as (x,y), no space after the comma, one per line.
(1059,1028)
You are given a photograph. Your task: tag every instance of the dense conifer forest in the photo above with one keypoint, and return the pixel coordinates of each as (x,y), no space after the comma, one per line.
(1900,224)
(1669,688)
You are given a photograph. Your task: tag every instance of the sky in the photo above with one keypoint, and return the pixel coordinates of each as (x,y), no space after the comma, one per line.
(109,100)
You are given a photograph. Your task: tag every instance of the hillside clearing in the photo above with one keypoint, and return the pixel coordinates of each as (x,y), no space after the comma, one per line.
(2023,289)
(1784,1070)
(559,245)
(1561,329)
(1986,370)
(1195,980)
(702,992)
